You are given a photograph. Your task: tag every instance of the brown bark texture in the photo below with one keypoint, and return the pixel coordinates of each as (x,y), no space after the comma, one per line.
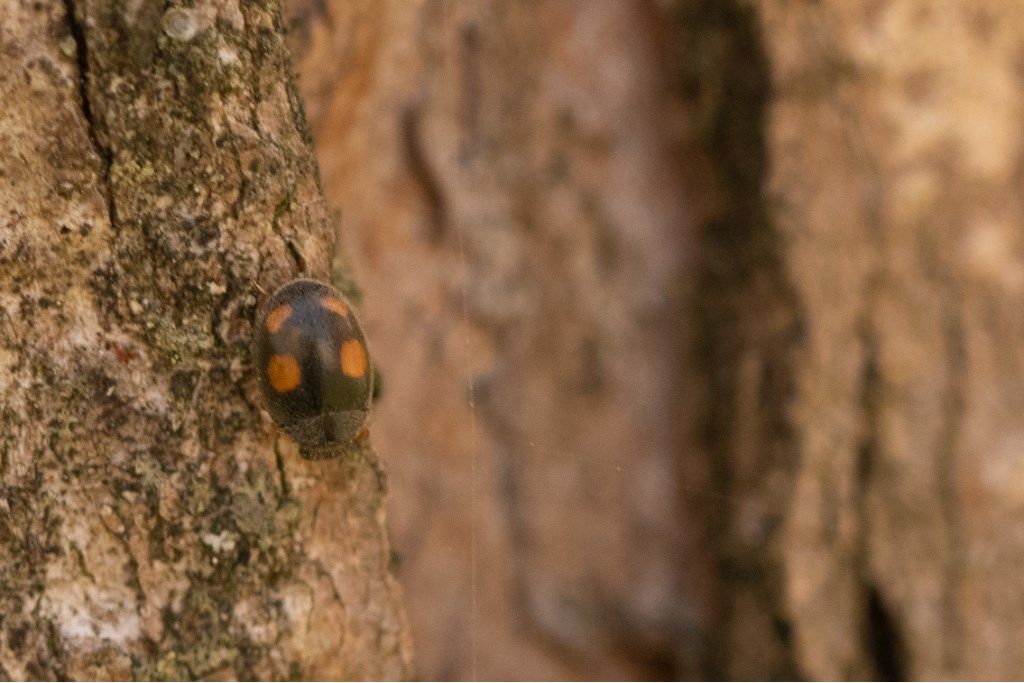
(700,327)
(893,209)
(153,522)
(511,198)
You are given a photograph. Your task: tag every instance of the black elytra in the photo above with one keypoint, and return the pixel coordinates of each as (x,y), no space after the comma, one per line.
(314,369)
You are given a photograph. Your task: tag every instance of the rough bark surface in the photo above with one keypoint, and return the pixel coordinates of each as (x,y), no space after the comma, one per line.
(869,406)
(153,523)
(914,109)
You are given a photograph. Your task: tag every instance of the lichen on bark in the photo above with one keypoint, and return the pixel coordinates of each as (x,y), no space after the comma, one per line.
(153,523)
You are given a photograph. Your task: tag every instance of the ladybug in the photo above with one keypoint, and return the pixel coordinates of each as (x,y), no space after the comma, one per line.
(314,368)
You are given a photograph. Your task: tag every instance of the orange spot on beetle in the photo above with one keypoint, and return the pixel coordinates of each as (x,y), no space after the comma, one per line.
(353,358)
(277,317)
(333,303)
(284,373)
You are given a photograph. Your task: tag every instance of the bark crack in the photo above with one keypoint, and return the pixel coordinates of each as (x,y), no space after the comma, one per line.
(293,252)
(424,174)
(884,640)
(948,497)
(881,636)
(76,27)
(282,474)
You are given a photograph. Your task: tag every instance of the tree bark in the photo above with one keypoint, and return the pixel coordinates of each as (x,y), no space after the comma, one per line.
(866,373)
(853,401)
(153,522)
(513,197)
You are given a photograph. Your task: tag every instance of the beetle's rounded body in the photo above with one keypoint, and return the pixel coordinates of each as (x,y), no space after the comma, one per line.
(314,369)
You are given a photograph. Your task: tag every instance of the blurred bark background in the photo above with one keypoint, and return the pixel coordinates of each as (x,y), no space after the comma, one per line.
(511,197)
(700,325)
